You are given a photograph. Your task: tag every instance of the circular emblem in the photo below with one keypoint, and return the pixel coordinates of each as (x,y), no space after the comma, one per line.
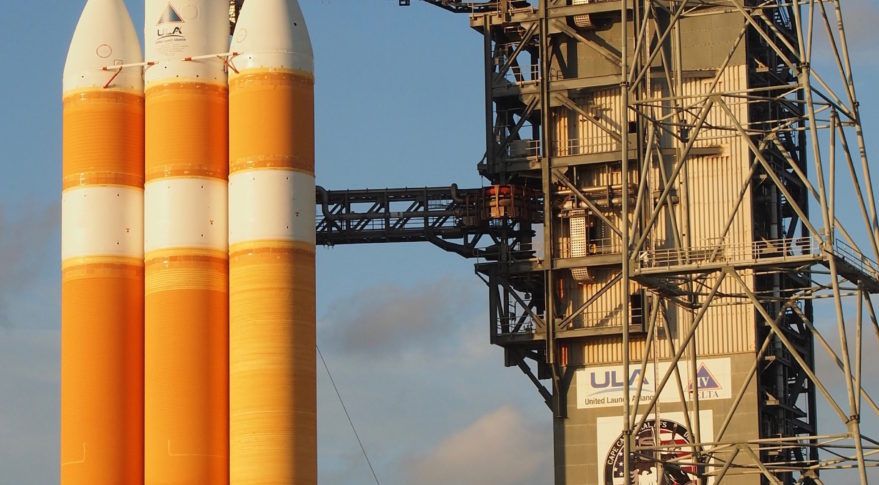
(189,11)
(104,51)
(240,34)
(663,467)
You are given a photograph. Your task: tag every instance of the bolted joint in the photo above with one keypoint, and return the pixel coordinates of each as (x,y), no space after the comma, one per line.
(854,418)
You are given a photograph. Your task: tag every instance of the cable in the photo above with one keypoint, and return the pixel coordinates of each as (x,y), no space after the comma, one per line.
(347,415)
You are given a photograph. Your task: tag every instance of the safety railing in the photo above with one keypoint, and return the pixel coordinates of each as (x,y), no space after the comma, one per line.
(514,328)
(519,76)
(516,320)
(779,250)
(610,245)
(598,319)
(855,258)
(522,149)
(571,147)
(514,324)
(593,247)
(575,146)
(787,248)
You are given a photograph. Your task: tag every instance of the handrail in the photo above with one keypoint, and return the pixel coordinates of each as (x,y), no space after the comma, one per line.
(785,249)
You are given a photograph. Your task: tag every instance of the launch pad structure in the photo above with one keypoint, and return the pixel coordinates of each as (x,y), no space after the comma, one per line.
(679,235)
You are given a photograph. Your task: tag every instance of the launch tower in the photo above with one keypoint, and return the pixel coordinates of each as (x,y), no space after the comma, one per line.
(679,236)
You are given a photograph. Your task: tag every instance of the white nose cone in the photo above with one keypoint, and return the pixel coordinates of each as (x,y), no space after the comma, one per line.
(175,30)
(271,34)
(104,37)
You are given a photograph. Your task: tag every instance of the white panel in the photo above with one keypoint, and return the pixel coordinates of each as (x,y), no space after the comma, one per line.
(102,221)
(271,205)
(578,236)
(579,247)
(583,21)
(599,387)
(177,29)
(104,36)
(272,34)
(185,213)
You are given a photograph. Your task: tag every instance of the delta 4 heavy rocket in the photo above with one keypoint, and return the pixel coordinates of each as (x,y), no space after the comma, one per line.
(188,247)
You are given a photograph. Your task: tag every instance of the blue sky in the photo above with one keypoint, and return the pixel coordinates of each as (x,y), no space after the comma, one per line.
(399,102)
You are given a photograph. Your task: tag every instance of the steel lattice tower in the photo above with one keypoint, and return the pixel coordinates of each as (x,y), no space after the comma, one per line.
(694,158)
(705,268)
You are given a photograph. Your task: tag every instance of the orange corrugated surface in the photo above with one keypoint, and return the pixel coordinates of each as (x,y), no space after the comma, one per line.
(186,369)
(186,340)
(103,138)
(186,130)
(273,421)
(273,117)
(102,306)
(102,375)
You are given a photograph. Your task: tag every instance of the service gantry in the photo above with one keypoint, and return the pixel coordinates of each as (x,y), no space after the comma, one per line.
(678,208)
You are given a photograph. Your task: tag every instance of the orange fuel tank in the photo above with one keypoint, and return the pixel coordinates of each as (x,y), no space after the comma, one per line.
(102,252)
(273,425)
(186,261)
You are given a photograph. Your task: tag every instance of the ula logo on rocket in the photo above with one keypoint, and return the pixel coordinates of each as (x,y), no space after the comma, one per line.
(168,27)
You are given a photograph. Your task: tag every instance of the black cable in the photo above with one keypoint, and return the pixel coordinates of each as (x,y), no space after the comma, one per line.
(347,415)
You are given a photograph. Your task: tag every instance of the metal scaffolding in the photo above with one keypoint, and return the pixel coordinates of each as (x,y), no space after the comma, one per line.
(783,94)
(795,120)
(698,173)
(474,223)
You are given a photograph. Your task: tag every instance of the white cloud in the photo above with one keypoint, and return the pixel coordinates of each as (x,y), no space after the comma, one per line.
(29,343)
(502,447)
(390,321)
(25,241)
(416,366)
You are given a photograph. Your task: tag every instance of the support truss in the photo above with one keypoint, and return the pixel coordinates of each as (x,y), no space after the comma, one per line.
(794,116)
(705,178)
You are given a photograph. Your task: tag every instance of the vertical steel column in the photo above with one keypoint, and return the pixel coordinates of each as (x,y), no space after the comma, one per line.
(546,173)
(805,76)
(490,146)
(624,157)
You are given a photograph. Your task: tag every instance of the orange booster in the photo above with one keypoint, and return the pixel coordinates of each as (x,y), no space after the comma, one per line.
(102,252)
(186,261)
(273,425)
